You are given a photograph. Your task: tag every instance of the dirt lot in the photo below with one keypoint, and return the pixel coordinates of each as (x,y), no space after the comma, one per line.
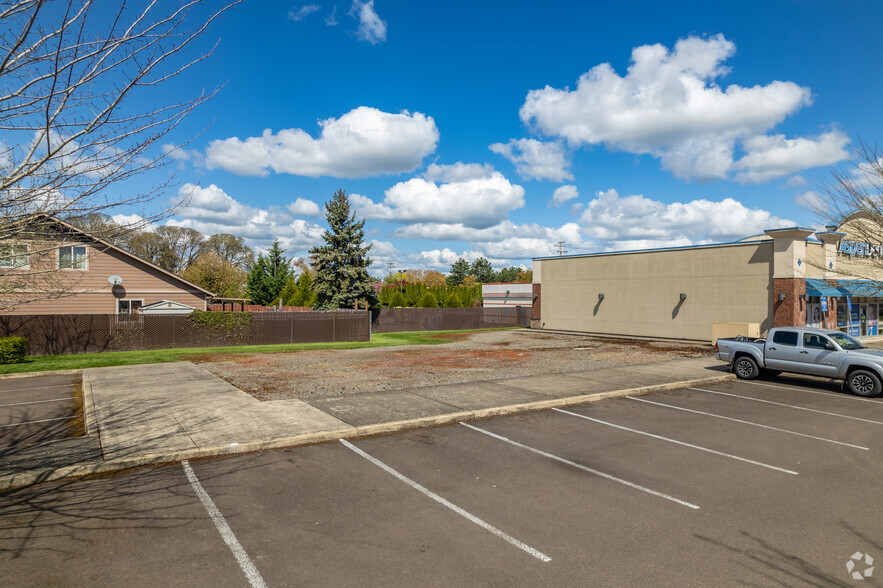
(483,355)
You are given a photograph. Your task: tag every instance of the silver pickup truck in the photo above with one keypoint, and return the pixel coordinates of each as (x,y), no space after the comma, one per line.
(815,352)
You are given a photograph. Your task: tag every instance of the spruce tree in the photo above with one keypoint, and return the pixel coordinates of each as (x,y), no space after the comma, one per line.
(482,269)
(268,276)
(341,265)
(459,270)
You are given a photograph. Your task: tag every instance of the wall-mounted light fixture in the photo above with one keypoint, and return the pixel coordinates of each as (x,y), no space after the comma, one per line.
(535,296)
(805,297)
(600,297)
(781,296)
(683,296)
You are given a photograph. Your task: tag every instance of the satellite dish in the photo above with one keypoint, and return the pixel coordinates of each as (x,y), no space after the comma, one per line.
(115,280)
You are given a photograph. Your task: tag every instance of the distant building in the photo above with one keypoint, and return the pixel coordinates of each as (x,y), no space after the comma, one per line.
(507,295)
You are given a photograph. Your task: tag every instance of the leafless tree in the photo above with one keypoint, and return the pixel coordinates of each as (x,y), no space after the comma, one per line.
(71,131)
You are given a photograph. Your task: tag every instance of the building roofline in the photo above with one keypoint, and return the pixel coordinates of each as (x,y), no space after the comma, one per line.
(655,249)
(71,227)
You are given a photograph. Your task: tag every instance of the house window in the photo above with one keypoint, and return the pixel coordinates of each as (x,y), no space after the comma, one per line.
(129,306)
(72,257)
(13,255)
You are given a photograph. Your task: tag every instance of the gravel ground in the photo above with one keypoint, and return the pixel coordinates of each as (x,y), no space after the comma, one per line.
(482,355)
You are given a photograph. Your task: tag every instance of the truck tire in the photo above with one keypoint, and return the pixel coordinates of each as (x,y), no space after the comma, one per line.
(863,383)
(746,368)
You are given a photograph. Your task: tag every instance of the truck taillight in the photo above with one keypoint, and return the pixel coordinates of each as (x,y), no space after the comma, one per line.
(715,346)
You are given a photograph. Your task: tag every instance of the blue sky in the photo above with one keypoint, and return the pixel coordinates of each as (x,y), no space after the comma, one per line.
(499,129)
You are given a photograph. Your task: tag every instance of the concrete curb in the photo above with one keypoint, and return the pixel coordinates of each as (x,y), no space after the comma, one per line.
(13,481)
(40,373)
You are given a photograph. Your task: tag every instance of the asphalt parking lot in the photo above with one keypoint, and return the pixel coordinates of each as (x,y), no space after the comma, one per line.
(774,482)
(39,409)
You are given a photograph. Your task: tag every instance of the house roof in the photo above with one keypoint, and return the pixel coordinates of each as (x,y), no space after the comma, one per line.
(123,252)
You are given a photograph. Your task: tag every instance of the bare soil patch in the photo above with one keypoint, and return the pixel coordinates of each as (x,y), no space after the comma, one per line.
(483,355)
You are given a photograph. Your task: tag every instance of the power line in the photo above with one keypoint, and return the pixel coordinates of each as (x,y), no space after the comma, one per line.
(561,249)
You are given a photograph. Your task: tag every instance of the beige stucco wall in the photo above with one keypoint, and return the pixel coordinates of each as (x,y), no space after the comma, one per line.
(723,283)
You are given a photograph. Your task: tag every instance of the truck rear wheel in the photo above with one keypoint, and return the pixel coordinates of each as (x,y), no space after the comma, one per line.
(746,368)
(863,383)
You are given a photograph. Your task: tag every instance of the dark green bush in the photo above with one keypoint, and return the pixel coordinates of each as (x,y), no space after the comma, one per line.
(220,320)
(13,349)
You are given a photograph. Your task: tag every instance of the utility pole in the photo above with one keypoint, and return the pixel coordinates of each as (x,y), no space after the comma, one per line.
(390,265)
(561,249)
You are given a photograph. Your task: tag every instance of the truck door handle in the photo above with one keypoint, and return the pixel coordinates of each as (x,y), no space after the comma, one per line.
(804,352)
(772,348)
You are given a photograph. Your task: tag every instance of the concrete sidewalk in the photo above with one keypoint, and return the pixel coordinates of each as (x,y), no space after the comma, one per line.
(148,414)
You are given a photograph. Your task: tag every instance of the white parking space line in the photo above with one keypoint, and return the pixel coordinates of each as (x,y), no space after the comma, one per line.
(830,394)
(429,493)
(584,468)
(37,388)
(248,568)
(35,402)
(684,443)
(836,414)
(720,416)
(35,422)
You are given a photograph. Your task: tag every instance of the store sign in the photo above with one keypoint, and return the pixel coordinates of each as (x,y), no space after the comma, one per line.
(860,249)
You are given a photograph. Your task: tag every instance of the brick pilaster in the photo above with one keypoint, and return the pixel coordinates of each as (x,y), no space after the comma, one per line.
(791,311)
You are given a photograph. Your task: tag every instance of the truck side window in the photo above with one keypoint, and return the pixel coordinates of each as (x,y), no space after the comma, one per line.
(814,341)
(786,338)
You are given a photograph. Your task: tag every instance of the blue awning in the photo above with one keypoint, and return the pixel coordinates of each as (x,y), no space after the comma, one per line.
(850,288)
(819,287)
(865,288)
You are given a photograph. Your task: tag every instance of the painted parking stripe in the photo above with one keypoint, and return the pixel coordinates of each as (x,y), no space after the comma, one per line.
(248,568)
(720,416)
(35,402)
(582,467)
(830,394)
(684,443)
(836,414)
(429,493)
(35,422)
(37,388)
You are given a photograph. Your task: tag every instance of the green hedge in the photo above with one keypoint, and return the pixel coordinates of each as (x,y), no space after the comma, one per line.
(220,320)
(13,349)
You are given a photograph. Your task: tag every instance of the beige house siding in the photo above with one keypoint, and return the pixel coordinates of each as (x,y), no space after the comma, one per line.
(89,292)
(722,283)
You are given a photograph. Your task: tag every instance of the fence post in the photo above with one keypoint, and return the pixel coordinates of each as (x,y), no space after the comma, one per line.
(334,327)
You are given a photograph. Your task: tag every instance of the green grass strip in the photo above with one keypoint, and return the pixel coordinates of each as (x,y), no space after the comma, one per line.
(40,363)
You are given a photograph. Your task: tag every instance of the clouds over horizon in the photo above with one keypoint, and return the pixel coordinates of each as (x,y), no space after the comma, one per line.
(210,211)
(362,143)
(636,222)
(670,106)
(536,160)
(475,195)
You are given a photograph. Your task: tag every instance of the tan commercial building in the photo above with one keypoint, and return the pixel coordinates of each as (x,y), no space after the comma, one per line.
(784,277)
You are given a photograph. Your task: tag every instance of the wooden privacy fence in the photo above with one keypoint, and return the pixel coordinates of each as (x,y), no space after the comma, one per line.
(396,320)
(91,333)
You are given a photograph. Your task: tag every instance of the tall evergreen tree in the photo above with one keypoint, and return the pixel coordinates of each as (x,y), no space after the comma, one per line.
(482,269)
(341,265)
(459,270)
(270,273)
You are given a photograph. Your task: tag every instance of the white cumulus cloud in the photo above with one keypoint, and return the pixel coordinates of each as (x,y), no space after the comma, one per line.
(210,210)
(621,223)
(563,194)
(363,142)
(669,105)
(536,160)
(371,27)
(303,207)
(299,13)
(772,156)
(476,202)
